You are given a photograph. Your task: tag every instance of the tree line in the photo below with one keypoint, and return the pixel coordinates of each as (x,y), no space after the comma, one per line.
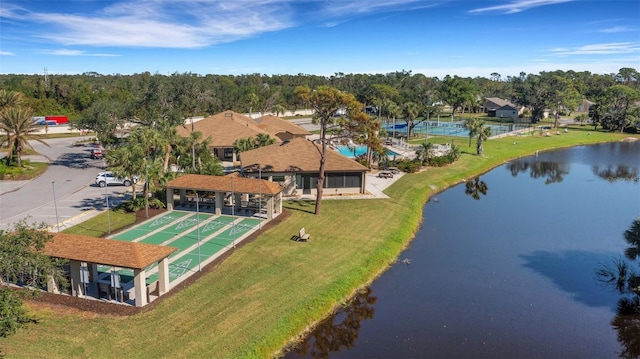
(400,94)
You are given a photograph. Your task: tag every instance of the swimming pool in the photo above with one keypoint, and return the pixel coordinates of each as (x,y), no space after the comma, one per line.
(358,150)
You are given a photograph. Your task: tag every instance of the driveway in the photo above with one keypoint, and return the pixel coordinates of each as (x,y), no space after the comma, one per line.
(69,178)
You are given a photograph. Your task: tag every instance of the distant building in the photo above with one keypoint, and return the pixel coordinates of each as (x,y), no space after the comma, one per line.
(496,107)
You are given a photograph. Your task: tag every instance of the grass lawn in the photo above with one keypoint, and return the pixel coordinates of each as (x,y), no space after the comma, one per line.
(267,292)
(29,171)
(99,225)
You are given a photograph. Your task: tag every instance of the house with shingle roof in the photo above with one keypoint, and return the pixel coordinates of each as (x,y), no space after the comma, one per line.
(226,127)
(497,107)
(295,163)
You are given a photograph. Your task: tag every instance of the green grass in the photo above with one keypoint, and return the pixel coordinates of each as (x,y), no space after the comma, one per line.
(267,292)
(29,171)
(99,225)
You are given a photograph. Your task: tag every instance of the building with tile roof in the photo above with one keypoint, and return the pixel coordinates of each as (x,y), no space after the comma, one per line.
(225,192)
(226,127)
(283,129)
(89,252)
(295,163)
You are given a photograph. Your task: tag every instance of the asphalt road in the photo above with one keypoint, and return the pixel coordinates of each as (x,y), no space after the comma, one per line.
(69,178)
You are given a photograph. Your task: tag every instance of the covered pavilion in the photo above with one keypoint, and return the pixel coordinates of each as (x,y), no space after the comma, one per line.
(86,253)
(230,193)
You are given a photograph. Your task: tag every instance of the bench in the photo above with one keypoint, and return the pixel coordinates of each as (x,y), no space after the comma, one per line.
(302,236)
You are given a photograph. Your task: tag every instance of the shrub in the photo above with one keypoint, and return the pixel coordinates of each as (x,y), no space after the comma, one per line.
(409,166)
(134,205)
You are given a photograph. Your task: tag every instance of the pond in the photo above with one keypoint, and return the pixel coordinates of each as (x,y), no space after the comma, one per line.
(503,267)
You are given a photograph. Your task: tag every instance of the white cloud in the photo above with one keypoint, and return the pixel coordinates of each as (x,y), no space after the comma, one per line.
(616,29)
(517,6)
(67,52)
(165,24)
(346,7)
(6,53)
(598,49)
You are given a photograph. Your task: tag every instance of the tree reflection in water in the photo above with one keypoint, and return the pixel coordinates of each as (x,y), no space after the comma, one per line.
(622,277)
(553,171)
(475,188)
(613,174)
(332,337)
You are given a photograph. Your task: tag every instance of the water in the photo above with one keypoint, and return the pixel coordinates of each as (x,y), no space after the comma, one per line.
(511,274)
(359,150)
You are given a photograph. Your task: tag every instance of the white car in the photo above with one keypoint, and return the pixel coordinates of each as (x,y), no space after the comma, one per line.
(109,179)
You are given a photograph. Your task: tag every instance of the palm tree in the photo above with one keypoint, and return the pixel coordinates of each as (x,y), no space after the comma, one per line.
(263,139)
(425,152)
(471,124)
(10,99)
(253,100)
(278,109)
(411,111)
(483,134)
(16,122)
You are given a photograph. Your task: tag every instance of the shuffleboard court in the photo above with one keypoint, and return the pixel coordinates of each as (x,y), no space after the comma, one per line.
(180,229)
(150,226)
(167,234)
(227,237)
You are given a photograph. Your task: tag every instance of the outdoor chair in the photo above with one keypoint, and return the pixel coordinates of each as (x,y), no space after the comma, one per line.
(302,236)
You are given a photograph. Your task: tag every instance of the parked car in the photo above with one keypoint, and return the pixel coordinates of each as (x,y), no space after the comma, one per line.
(97,153)
(109,179)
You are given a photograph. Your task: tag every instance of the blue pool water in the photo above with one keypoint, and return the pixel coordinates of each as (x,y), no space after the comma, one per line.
(358,151)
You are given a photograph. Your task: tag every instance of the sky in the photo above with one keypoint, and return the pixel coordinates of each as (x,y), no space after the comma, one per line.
(467,38)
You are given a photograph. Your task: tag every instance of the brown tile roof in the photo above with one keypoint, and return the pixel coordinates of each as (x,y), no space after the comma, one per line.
(224,128)
(106,251)
(296,155)
(225,184)
(280,125)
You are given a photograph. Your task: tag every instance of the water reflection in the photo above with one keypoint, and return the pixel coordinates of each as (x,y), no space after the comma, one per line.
(615,173)
(331,336)
(475,188)
(628,328)
(554,172)
(620,274)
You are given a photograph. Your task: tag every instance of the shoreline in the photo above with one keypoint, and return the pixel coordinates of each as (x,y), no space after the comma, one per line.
(311,327)
(287,305)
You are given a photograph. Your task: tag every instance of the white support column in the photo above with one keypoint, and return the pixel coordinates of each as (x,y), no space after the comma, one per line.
(163,276)
(51,286)
(93,269)
(269,208)
(140,287)
(219,202)
(76,285)
(169,199)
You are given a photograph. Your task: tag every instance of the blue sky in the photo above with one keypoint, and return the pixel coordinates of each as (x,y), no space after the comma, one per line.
(322,37)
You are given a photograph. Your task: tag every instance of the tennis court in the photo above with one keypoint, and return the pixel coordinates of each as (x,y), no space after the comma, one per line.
(199,237)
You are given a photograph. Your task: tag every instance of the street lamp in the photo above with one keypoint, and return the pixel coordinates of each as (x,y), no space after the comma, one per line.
(233,215)
(260,197)
(55,204)
(106,196)
(198,226)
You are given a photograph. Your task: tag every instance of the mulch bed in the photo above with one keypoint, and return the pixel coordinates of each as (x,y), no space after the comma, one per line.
(91,308)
